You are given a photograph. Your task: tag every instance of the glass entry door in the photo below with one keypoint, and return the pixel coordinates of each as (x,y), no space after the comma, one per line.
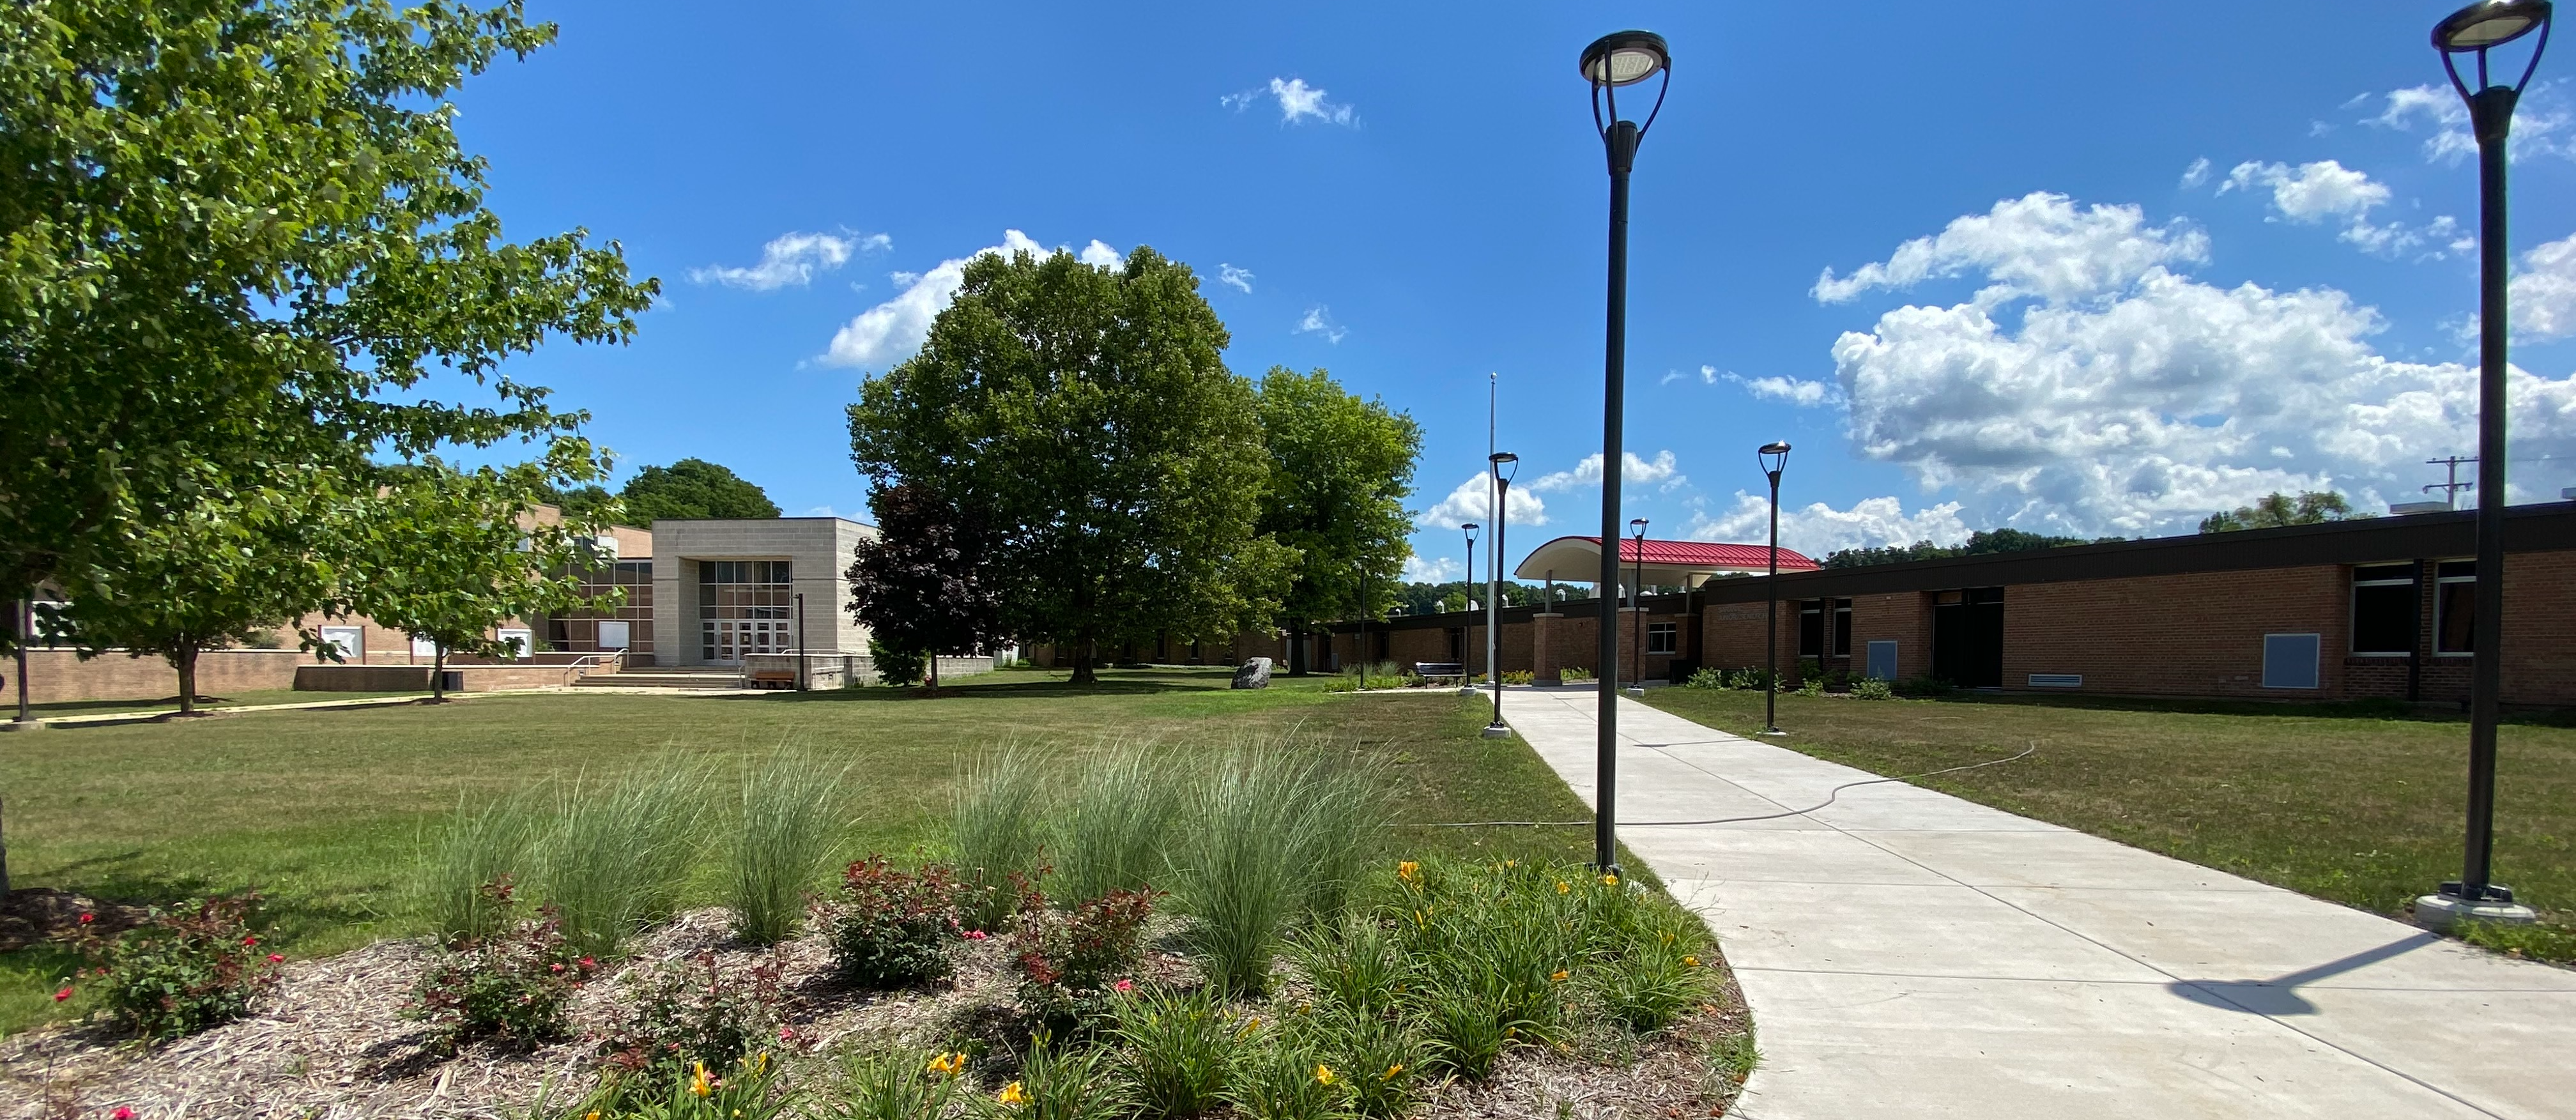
(744,607)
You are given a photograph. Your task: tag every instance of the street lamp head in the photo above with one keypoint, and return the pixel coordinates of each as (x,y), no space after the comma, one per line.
(1637,525)
(1625,58)
(2482,26)
(1471,528)
(1774,457)
(1505,465)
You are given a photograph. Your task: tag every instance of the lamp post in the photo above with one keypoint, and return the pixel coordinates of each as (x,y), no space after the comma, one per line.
(1637,596)
(1612,63)
(1774,458)
(803,682)
(2474,30)
(1467,579)
(1495,463)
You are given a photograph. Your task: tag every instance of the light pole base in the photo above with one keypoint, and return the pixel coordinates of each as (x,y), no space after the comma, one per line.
(1771,731)
(1468,690)
(2441,912)
(23,725)
(1635,690)
(1497,731)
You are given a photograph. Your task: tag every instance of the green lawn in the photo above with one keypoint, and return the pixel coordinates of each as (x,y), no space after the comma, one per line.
(171,703)
(2359,809)
(321,809)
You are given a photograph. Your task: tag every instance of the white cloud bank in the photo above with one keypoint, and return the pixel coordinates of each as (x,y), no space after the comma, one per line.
(891,331)
(2090,389)
(793,258)
(2543,296)
(2314,192)
(1298,103)
(1662,471)
(1817,528)
(1473,500)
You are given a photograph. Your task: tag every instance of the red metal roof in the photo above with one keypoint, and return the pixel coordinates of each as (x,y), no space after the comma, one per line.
(1687,554)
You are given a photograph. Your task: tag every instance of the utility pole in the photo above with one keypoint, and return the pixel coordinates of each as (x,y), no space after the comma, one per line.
(2451,485)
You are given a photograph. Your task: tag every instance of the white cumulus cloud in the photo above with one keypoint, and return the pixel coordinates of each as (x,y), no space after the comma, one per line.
(2140,406)
(1663,470)
(792,258)
(1817,528)
(891,331)
(1473,500)
(2536,122)
(1319,320)
(1442,570)
(2314,192)
(1100,255)
(2040,244)
(1298,102)
(2543,296)
(1233,277)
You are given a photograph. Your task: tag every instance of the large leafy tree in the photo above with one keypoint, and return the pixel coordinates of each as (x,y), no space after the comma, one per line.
(692,488)
(450,555)
(1086,415)
(207,576)
(924,584)
(239,241)
(1340,468)
(2277,509)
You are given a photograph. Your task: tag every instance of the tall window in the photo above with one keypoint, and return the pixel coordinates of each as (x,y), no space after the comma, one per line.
(1814,639)
(744,607)
(2383,609)
(1663,637)
(2455,600)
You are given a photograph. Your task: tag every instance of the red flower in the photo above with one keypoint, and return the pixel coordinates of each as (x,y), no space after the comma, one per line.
(62,995)
(786,1034)
(277,958)
(86,919)
(250,940)
(124,1113)
(587,964)
(555,967)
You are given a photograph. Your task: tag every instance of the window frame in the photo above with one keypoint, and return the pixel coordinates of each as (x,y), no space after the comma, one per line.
(2413,581)
(1667,635)
(2441,611)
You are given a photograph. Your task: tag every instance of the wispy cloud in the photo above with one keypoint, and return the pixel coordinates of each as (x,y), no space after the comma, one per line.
(793,258)
(1298,102)
(1319,320)
(1234,277)
(1804,394)
(2196,174)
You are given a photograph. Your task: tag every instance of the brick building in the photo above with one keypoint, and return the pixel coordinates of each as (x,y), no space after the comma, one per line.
(2377,607)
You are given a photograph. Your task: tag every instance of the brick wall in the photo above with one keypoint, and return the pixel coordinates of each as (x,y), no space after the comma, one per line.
(2199,634)
(58,676)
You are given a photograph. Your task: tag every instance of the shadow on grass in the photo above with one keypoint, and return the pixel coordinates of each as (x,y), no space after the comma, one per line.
(2382,709)
(971,689)
(283,917)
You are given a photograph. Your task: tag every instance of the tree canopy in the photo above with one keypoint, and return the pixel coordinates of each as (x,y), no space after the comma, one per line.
(1341,467)
(690,488)
(241,240)
(1086,415)
(2277,509)
(1979,543)
(924,583)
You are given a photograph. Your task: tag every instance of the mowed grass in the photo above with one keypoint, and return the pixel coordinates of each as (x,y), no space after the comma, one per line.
(170,703)
(322,810)
(2363,810)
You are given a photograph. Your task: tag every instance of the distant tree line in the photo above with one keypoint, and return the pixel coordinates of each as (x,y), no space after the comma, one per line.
(2276,509)
(1420,598)
(685,490)
(1979,543)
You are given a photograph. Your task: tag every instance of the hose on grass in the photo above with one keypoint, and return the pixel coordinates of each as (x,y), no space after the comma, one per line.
(1830,795)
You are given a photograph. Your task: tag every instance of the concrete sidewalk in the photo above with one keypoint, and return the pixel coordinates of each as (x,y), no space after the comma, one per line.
(1910,954)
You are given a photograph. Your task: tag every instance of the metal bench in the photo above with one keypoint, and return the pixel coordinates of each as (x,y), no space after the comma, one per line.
(1436,671)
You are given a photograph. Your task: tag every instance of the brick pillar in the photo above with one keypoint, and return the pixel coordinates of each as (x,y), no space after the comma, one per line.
(1542,651)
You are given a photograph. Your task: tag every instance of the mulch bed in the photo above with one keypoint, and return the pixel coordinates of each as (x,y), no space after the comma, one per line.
(331,1042)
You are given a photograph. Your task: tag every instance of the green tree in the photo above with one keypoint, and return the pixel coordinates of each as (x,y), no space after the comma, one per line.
(1086,415)
(692,488)
(1983,542)
(2277,509)
(1340,468)
(923,584)
(449,555)
(239,237)
(213,574)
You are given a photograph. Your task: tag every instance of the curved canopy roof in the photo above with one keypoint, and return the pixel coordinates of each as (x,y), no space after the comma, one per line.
(1667,563)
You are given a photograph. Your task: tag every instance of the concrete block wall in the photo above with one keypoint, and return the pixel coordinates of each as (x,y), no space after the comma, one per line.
(819,550)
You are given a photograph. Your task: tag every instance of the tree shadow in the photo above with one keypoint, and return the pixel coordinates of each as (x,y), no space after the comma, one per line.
(969,689)
(2373,708)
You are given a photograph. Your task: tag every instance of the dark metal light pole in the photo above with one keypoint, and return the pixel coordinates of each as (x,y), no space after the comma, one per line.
(1494,583)
(1613,62)
(1466,580)
(2473,31)
(1637,598)
(804,680)
(1774,458)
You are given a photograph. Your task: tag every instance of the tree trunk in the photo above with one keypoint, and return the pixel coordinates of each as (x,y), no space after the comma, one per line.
(933,658)
(185,660)
(1085,654)
(438,675)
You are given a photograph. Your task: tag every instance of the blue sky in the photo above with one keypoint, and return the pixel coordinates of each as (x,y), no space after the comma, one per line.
(2072,268)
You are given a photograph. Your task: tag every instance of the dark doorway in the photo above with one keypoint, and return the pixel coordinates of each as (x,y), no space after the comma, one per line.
(1968,637)
(1458,644)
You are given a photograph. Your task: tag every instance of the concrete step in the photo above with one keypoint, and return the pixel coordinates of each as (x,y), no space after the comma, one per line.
(671,677)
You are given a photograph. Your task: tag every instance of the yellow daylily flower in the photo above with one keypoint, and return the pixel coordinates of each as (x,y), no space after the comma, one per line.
(1561,887)
(1690,962)
(1014,1094)
(1559,975)
(1391,1071)
(699,1085)
(1407,869)
(1609,880)
(1324,1075)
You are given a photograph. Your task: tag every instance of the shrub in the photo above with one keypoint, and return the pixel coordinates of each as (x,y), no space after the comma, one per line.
(1751,678)
(1519,676)
(180,972)
(1811,686)
(1571,674)
(1067,959)
(893,1085)
(790,819)
(1872,688)
(1276,832)
(692,1013)
(1061,1084)
(1176,1051)
(481,845)
(1109,834)
(891,928)
(513,988)
(896,667)
(1711,678)
(620,850)
(999,829)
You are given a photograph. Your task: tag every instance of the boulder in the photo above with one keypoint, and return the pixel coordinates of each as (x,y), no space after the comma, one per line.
(1254,674)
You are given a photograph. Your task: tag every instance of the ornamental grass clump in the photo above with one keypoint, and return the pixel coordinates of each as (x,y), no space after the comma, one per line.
(178,972)
(791,819)
(1109,833)
(998,828)
(1279,831)
(620,850)
(1176,1051)
(479,846)
(892,928)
